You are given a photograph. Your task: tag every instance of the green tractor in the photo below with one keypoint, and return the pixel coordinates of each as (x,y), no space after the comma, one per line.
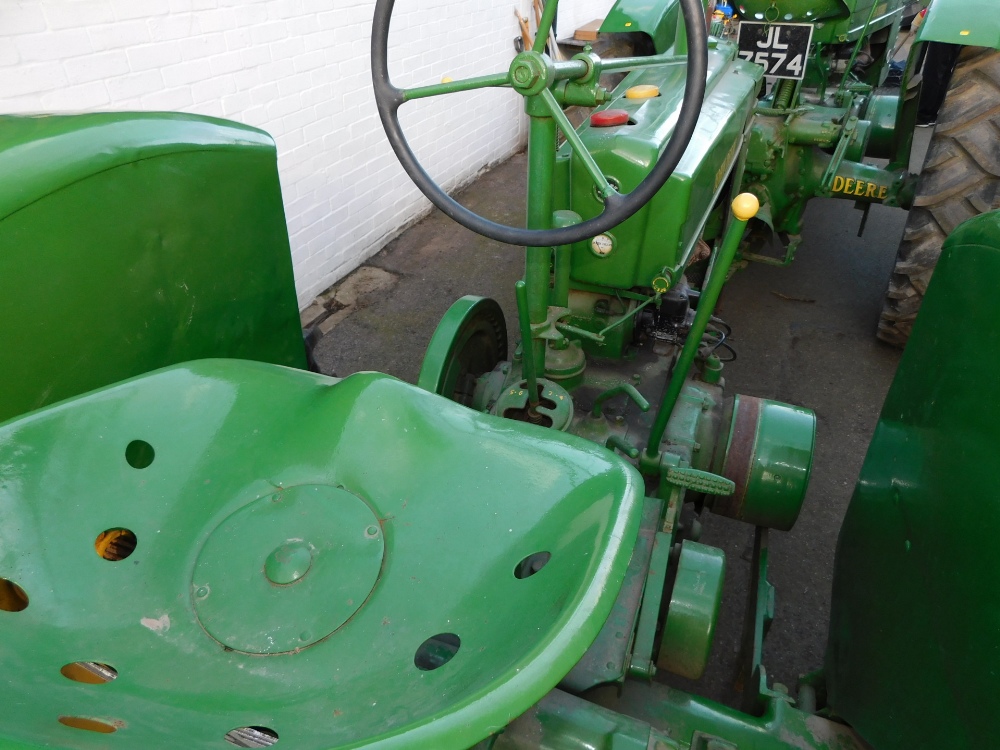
(474,576)
(821,127)
(492,546)
(830,126)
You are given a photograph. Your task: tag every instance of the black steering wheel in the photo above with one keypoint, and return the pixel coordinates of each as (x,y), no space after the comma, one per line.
(533,74)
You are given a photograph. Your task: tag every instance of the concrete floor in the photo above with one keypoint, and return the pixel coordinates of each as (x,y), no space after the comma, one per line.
(819,353)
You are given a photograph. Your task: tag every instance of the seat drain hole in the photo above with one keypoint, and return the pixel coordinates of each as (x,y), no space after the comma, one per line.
(252,737)
(436,651)
(115,544)
(89,672)
(531,564)
(89,725)
(139,454)
(12,596)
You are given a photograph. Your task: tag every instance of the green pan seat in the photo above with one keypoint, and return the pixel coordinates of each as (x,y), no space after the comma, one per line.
(258,552)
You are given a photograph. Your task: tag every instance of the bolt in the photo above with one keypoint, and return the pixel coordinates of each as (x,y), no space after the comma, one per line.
(524,74)
(371,531)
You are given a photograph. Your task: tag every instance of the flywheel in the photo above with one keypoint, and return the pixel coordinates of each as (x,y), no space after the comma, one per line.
(470,341)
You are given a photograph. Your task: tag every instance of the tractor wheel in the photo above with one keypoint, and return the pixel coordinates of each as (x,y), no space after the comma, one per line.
(960,179)
(470,341)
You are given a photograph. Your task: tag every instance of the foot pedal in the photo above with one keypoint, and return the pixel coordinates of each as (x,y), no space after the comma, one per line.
(700,481)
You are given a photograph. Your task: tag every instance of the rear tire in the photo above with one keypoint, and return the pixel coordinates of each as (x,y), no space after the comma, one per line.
(960,179)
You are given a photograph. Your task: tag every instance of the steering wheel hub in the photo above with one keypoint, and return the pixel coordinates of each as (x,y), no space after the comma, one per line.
(531,73)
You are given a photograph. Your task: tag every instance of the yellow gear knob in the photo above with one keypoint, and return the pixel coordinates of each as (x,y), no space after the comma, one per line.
(643,91)
(745,206)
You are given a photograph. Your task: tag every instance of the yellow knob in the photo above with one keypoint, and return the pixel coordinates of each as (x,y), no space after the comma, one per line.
(643,91)
(447,79)
(745,206)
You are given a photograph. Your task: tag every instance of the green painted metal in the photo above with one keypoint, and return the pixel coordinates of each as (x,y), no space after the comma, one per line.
(758,699)
(562,259)
(468,342)
(812,11)
(544,26)
(607,660)
(883,111)
(968,22)
(706,305)
(835,21)
(117,259)
(912,657)
(494,80)
(663,234)
(593,311)
(603,188)
(359,562)
(660,21)
(554,407)
(628,389)
(768,455)
(529,359)
(641,664)
(689,628)
(694,422)
(660,718)
(538,260)
(323,552)
(699,481)
(789,160)
(250,462)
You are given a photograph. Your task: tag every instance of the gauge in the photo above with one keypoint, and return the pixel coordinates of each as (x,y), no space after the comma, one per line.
(602,245)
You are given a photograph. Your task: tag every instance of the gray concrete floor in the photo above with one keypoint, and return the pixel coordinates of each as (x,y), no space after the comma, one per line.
(819,353)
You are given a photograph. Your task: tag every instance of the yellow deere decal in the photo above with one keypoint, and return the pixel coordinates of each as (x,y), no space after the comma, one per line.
(860,188)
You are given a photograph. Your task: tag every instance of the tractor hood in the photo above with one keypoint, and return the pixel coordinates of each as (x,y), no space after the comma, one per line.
(792,11)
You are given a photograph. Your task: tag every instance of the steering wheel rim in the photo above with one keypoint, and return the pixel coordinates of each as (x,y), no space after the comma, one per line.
(617,207)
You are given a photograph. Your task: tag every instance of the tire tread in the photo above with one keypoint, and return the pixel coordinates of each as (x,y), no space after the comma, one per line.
(960,179)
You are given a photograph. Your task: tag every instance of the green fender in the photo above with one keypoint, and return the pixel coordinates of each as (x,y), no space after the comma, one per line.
(658,20)
(970,22)
(912,660)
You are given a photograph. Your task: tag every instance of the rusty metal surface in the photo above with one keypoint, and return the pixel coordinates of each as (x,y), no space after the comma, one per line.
(607,659)
(739,456)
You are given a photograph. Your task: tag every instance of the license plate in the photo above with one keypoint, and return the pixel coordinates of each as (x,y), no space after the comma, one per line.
(780,48)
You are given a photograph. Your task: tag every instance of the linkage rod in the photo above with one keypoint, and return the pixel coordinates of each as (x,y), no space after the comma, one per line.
(745,207)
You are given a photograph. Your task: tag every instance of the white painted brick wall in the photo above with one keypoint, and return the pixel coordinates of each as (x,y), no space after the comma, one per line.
(299,69)
(575,13)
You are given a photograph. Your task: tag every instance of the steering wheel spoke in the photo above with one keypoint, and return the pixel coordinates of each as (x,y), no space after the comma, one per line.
(545,25)
(604,188)
(495,80)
